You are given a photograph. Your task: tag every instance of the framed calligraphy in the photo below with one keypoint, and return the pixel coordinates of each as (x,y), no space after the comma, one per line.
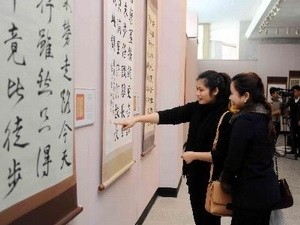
(151,74)
(294,78)
(37,169)
(84,105)
(118,45)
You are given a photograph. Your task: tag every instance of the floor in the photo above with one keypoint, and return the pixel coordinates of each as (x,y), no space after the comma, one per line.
(177,211)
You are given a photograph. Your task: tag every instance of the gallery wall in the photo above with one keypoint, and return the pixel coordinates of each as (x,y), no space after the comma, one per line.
(273,60)
(124,201)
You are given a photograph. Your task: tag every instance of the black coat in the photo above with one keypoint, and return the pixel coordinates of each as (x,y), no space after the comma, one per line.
(249,164)
(203,120)
(294,112)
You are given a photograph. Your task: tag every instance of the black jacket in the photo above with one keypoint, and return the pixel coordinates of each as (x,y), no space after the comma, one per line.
(203,121)
(294,112)
(249,164)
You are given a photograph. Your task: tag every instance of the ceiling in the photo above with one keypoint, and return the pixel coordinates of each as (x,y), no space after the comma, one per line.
(267,18)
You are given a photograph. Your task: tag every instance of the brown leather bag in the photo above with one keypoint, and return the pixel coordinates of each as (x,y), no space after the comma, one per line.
(217,201)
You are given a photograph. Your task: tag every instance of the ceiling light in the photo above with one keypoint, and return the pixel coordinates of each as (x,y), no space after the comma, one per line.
(276,8)
(273,12)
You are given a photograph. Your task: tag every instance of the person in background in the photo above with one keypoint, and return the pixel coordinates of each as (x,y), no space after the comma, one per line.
(212,90)
(294,111)
(248,170)
(276,110)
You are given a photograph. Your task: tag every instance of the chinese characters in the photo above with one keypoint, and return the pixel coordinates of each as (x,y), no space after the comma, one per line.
(120,66)
(36,129)
(150,78)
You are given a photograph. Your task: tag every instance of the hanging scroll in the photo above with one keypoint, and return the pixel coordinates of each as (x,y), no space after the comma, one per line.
(36,126)
(151,73)
(117,153)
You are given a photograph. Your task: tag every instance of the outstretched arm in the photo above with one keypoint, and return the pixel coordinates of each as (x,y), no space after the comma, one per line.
(130,122)
(190,156)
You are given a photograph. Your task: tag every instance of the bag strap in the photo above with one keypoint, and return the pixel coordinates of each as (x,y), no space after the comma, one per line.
(276,165)
(217,132)
(216,142)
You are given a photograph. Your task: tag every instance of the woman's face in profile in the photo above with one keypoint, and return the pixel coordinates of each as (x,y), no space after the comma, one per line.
(203,93)
(237,101)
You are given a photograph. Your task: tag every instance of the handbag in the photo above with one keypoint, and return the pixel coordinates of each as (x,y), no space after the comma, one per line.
(217,202)
(286,199)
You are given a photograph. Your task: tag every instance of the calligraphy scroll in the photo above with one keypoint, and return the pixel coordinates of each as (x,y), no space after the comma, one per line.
(151,73)
(117,154)
(37,124)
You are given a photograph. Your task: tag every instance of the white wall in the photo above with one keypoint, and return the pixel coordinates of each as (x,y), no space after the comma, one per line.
(248,49)
(124,201)
(191,74)
(231,67)
(170,86)
(192,24)
(273,60)
(191,69)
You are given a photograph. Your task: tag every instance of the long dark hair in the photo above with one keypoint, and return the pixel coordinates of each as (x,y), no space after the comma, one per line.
(213,80)
(252,83)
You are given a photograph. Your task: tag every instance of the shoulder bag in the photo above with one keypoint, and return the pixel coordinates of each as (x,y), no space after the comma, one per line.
(286,200)
(217,201)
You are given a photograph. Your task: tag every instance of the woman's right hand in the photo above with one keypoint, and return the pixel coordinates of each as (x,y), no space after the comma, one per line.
(188,156)
(126,123)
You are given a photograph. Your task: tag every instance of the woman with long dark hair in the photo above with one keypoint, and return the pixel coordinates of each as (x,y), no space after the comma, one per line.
(212,90)
(248,170)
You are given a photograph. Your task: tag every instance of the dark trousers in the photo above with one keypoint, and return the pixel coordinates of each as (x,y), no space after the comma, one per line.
(295,132)
(277,130)
(197,187)
(250,217)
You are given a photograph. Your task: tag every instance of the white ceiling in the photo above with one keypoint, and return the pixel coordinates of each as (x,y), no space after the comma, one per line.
(254,11)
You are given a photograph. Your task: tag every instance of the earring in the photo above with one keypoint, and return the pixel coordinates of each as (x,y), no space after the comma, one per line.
(245,101)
